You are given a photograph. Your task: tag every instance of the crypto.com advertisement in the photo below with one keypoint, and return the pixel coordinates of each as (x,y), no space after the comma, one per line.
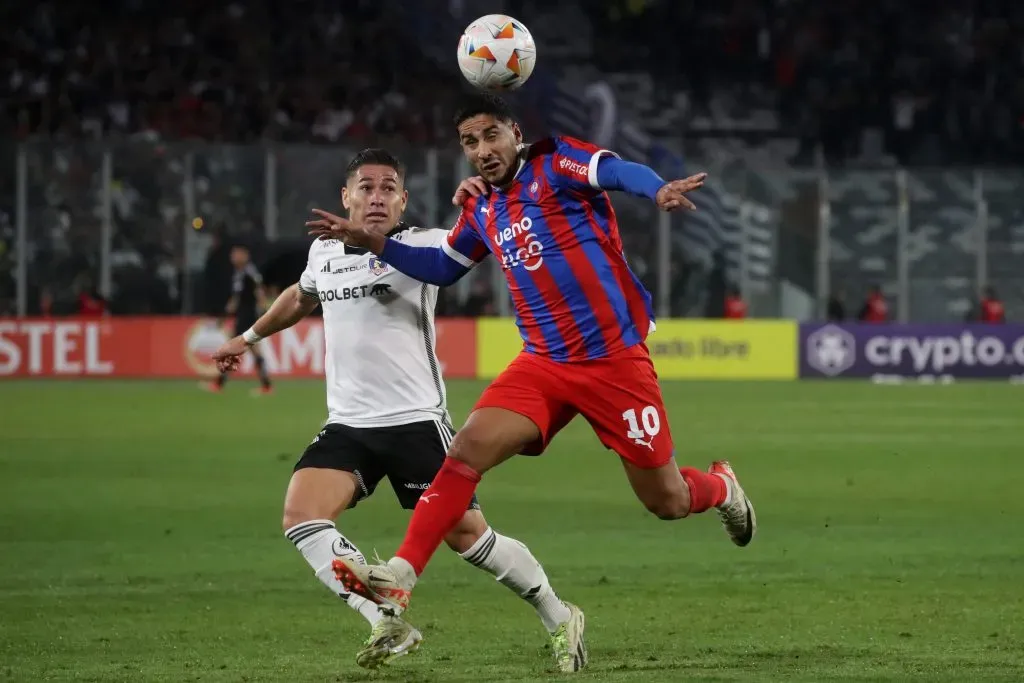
(940,351)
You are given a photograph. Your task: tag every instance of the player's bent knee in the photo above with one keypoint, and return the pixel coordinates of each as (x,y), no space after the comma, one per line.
(491,436)
(294,517)
(461,540)
(476,449)
(467,532)
(316,493)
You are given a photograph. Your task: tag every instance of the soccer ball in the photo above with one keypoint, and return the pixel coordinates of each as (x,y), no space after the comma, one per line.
(496,52)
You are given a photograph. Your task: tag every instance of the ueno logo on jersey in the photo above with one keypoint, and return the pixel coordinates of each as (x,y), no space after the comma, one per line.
(529,255)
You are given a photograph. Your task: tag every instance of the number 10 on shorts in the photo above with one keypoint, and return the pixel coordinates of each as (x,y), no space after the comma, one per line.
(649,420)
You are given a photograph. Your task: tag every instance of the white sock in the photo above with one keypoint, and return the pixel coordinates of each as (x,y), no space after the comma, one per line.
(320,543)
(404,572)
(512,564)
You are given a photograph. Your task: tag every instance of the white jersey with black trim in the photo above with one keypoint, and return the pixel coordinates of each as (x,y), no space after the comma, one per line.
(381,365)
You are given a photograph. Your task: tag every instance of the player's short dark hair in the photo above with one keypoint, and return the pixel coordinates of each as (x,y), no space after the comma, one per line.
(377,156)
(483,103)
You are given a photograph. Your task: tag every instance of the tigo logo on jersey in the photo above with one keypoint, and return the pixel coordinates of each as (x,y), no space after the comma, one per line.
(529,255)
(377,267)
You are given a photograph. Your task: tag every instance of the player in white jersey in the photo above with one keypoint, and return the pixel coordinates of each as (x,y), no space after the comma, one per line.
(387,414)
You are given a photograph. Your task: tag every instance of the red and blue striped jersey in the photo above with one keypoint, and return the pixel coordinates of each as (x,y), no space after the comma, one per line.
(554,232)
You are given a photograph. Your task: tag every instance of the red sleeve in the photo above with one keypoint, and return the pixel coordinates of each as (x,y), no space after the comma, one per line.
(574,163)
(465,243)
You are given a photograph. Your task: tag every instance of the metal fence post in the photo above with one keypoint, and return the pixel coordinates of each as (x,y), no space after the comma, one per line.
(270,194)
(188,196)
(902,248)
(823,283)
(106,223)
(21,226)
(664,264)
(744,275)
(981,233)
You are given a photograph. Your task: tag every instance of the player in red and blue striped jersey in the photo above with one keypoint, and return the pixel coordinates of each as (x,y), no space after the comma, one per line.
(554,231)
(543,211)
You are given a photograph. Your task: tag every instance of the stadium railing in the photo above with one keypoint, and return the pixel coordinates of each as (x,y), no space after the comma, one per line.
(106,212)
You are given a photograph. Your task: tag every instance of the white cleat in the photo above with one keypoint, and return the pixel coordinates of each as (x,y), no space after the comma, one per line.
(737,515)
(391,637)
(567,642)
(378,583)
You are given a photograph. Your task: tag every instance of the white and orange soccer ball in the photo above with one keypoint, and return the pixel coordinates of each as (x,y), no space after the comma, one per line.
(496,52)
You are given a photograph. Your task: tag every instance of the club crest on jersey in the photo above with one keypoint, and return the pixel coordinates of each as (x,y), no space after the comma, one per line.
(534,189)
(378,267)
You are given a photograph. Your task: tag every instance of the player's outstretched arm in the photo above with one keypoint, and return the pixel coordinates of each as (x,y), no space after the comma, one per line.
(289,308)
(433,265)
(642,181)
(292,306)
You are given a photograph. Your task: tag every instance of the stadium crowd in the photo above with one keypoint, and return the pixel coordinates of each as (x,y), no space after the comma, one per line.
(215,71)
(151,71)
(943,80)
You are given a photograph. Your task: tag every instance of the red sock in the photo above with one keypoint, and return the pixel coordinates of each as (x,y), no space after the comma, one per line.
(439,509)
(706,490)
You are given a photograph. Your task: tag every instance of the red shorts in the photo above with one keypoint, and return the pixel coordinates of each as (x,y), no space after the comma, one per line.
(619,396)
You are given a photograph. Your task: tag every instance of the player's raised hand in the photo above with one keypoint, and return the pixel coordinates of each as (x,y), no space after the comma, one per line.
(672,195)
(327,225)
(470,187)
(230,353)
(330,225)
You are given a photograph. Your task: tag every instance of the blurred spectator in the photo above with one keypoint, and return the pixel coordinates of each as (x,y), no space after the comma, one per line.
(836,309)
(90,303)
(714,307)
(45,303)
(990,308)
(875,309)
(735,306)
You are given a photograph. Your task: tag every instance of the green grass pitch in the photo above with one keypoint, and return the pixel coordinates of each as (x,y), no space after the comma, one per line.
(140,541)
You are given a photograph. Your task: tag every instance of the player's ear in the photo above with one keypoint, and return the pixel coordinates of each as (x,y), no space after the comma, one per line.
(344,197)
(405,199)
(517,132)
